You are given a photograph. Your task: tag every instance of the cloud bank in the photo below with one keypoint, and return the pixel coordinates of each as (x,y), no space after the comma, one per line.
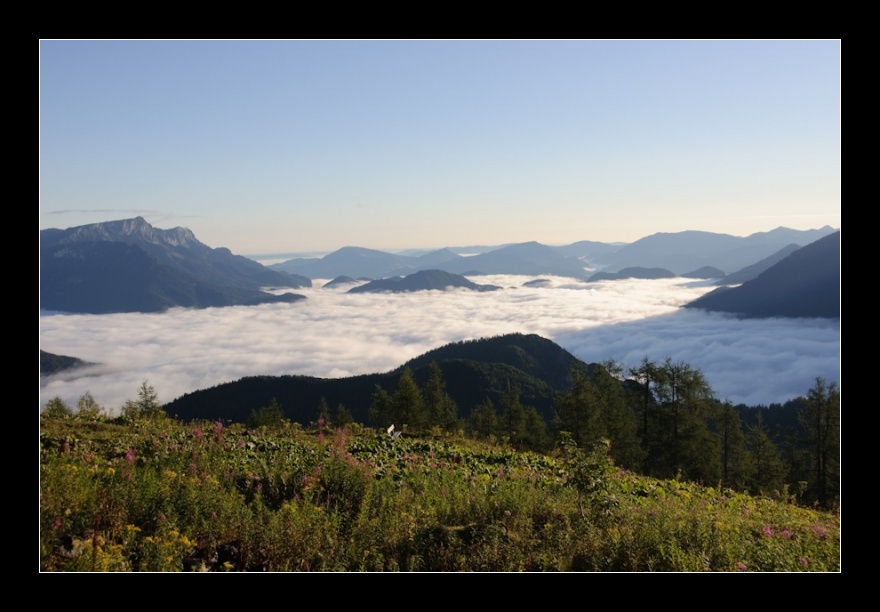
(333,334)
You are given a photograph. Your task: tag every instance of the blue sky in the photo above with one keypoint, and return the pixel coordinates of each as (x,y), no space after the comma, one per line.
(295,146)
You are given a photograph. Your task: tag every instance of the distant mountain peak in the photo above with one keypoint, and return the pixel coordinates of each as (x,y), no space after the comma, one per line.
(132,231)
(130,266)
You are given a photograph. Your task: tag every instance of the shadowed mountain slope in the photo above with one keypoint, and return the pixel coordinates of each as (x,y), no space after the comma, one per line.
(804,284)
(130,266)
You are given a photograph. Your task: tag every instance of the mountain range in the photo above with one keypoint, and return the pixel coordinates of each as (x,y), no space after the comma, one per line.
(130,266)
(806,283)
(689,253)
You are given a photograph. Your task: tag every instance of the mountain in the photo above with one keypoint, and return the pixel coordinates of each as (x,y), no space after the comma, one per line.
(474,370)
(52,364)
(633,272)
(705,272)
(349,261)
(590,252)
(528,258)
(684,251)
(339,281)
(752,271)
(130,266)
(422,280)
(804,284)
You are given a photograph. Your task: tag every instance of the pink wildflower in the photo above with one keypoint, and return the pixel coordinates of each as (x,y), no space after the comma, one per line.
(741,566)
(129,456)
(768,531)
(786,534)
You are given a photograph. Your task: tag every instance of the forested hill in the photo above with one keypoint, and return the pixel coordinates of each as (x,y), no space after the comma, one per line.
(473,371)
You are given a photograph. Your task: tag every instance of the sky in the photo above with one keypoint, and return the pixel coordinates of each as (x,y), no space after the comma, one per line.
(311,145)
(334,334)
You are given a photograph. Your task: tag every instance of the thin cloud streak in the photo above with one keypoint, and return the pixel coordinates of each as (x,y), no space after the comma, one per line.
(334,334)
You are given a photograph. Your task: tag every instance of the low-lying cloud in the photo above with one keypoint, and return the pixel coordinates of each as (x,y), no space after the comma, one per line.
(334,334)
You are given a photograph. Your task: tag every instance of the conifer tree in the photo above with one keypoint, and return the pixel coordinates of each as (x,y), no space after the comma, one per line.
(736,465)
(56,408)
(380,408)
(483,422)
(407,404)
(820,418)
(442,410)
(768,471)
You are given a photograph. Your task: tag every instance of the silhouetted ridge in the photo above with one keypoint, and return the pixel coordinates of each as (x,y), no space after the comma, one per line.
(804,284)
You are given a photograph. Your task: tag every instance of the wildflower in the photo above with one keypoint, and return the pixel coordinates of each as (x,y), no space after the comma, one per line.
(819,530)
(161,516)
(804,561)
(768,531)
(129,456)
(57,523)
(65,447)
(741,566)
(786,534)
(197,433)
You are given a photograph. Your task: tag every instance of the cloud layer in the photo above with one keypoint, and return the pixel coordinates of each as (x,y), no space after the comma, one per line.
(333,334)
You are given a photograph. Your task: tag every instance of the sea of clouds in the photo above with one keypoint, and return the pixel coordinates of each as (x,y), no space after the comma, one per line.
(334,334)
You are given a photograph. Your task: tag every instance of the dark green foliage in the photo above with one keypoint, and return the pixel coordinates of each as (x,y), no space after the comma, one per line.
(267,416)
(820,417)
(483,422)
(146,406)
(442,409)
(736,460)
(342,416)
(471,371)
(408,409)
(767,474)
(56,408)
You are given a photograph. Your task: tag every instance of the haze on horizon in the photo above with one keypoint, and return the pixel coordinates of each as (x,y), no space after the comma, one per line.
(296,146)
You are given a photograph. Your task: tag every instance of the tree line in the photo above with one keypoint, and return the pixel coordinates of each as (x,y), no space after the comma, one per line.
(660,419)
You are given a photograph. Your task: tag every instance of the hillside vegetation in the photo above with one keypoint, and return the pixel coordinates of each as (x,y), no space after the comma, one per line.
(144,492)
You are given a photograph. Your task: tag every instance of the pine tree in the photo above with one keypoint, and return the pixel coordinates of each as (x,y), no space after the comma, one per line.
(618,419)
(578,411)
(442,410)
(146,405)
(407,403)
(56,408)
(820,418)
(380,408)
(483,422)
(736,465)
(768,470)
